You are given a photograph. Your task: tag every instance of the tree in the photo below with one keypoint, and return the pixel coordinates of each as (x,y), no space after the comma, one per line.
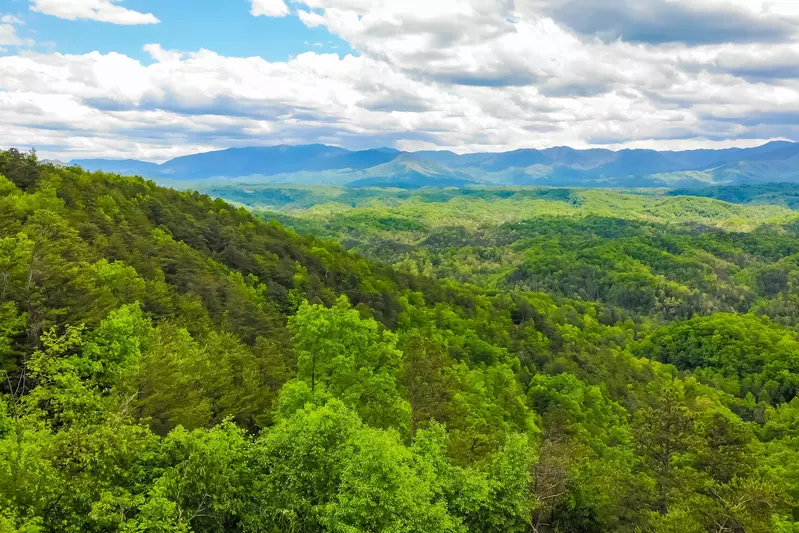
(204,483)
(353,359)
(322,469)
(509,503)
(428,380)
(21,168)
(587,475)
(663,433)
(173,383)
(488,406)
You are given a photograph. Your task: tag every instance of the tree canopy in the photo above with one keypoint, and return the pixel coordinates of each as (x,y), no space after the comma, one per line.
(172,363)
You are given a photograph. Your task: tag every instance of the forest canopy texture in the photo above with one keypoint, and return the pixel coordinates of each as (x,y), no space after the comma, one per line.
(511,361)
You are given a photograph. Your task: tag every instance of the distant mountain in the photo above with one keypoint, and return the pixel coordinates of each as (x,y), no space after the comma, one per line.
(120,166)
(269,161)
(560,166)
(409,172)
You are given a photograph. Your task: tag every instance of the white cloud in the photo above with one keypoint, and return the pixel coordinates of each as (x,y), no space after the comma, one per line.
(547,43)
(158,53)
(9,37)
(10,19)
(457,74)
(270,8)
(203,99)
(99,10)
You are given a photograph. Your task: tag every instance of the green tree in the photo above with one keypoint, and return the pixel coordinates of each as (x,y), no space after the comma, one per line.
(428,381)
(323,470)
(662,434)
(353,359)
(488,406)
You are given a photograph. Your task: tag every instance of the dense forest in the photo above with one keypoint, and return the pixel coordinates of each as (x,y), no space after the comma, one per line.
(786,194)
(650,254)
(531,360)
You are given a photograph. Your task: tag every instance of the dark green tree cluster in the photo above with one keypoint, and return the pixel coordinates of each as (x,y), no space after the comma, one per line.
(171,363)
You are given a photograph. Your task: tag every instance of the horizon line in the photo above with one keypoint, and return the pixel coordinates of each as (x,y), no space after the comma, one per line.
(555,147)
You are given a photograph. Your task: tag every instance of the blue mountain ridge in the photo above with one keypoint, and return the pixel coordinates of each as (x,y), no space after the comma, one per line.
(560,166)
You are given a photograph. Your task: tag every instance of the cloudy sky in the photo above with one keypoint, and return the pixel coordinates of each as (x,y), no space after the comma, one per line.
(154,79)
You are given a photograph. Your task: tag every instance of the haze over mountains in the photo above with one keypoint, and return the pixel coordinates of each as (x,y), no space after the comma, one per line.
(320,164)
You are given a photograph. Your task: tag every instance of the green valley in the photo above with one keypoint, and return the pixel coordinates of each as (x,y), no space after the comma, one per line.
(305,359)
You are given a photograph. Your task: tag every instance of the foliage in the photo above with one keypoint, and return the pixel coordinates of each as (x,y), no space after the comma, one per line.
(173,363)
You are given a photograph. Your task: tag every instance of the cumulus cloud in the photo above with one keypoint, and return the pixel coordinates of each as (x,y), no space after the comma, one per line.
(491,43)
(270,8)
(466,75)
(10,19)
(99,10)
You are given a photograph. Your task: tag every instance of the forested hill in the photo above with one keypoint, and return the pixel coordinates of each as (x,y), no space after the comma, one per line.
(173,363)
(786,194)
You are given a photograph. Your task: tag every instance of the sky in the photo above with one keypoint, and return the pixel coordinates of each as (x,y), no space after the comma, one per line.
(156,79)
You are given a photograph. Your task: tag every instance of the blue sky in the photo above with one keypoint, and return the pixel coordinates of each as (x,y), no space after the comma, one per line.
(226,27)
(153,79)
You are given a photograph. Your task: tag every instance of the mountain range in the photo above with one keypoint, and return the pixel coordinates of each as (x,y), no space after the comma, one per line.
(561,166)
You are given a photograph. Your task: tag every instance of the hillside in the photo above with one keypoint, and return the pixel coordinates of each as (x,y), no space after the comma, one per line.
(327,165)
(175,363)
(676,256)
(780,194)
